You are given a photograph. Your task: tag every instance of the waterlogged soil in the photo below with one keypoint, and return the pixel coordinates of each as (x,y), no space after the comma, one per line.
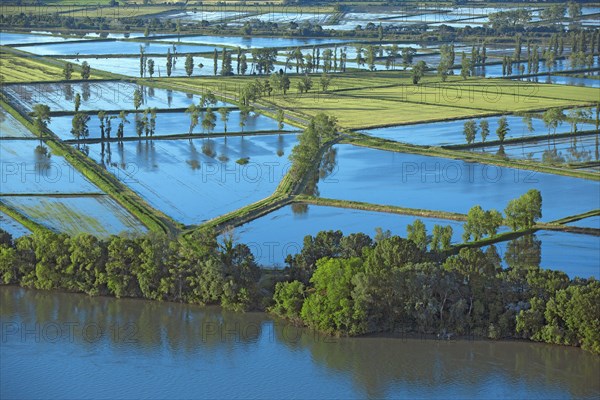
(130,66)
(193,181)
(252,42)
(98,215)
(11,128)
(280,233)
(12,226)
(200,15)
(415,181)
(452,132)
(111,95)
(269,358)
(92,47)
(169,124)
(25,169)
(8,38)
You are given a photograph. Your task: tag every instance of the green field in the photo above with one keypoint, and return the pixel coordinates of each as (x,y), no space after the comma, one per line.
(367,100)
(14,69)
(97,215)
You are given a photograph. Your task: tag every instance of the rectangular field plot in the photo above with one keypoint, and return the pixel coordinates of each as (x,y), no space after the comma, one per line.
(196,180)
(97,215)
(557,151)
(13,227)
(9,38)
(25,69)
(252,42)
(91,47)
(97,96)
(415,181)
(130,66)
(476,95)
(279,233)
(452,132)
(363,113)
(10,127)
(170,124)
(27,168)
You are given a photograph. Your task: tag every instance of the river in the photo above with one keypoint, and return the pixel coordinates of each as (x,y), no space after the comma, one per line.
(60,345)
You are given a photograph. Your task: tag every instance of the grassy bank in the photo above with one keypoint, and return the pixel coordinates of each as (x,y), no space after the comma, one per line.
(20,218)
(358,205)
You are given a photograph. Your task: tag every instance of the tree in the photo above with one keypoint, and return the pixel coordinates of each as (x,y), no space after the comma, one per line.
(142,62)
(288,298)
(330,308)
(371,57)
(484,127)
(189,64)
(325,81)
(552,118)
(86,270)
(474,227)
(359,59)
(209,120)
(285,83)
(169,62)
(243,64)
(77,102)
(418,71)
(152,121)
(137,98)
(502,129)
(85,70)
(224,113)
(518,44)
(522,213)
(150,67)
(574,9)
(280,118)
(215,62)
(102,118)
(465,69)
(470,131)
(306,83)
(244,114)
(41,118)
(446,237)
(194,114)
(226,68)
(407,56)
(68,71)
(79,128)
(492,220)
(417,233)
(122,122)
(122,261)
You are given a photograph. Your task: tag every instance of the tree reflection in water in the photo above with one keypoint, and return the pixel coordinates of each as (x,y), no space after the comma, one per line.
(209,338)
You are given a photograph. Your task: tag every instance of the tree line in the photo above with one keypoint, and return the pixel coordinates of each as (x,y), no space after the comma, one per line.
(341,285)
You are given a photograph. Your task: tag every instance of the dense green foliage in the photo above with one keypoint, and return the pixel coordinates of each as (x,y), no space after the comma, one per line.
(320,130)
(351,285)
(193,269)
(342,285)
